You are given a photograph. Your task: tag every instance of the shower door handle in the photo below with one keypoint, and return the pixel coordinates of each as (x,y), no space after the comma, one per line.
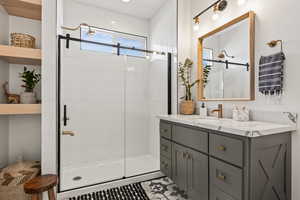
(65,118)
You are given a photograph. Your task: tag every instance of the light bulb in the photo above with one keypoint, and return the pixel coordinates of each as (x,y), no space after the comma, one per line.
(196,27)
(126,1)
(241,2)
(215,16)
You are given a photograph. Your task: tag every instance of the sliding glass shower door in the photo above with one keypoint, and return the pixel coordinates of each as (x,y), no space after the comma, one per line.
(92,117)
(108,104)
(141,143)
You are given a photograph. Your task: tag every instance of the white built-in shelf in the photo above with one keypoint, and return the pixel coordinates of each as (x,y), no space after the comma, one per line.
(31,9)
(20,109)
(19,55)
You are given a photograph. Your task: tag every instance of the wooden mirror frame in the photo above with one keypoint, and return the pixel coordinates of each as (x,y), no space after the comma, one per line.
(251,16)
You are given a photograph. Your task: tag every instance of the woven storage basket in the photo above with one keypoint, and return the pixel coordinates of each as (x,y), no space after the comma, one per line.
(22,40)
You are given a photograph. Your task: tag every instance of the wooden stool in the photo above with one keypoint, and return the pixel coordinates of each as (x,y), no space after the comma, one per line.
(40,184)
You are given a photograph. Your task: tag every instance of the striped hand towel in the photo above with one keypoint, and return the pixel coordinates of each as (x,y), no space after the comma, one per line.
(271,74)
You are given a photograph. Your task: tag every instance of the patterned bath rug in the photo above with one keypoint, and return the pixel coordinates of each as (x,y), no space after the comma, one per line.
(163,189)
(158,189)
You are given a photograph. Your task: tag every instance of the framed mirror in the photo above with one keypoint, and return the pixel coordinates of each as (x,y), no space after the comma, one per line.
(226,61)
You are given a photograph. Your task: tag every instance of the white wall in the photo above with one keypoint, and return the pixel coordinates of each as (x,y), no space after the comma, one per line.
(3,78)
(33,28)
(163,37)
(24,131)
(75,13)
(275,20)
(24,138)
(184,37)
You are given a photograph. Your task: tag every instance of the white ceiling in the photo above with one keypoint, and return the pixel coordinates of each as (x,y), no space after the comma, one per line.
(137,8)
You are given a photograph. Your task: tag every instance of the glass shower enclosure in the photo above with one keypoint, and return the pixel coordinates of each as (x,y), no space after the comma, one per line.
(107,107)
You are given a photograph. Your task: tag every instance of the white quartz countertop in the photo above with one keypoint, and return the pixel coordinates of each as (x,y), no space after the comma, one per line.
(248,129)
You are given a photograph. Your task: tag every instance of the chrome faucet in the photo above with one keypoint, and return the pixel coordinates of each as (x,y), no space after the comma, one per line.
(219,110)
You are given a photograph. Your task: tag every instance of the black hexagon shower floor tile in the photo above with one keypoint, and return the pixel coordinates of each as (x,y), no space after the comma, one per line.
(158,189)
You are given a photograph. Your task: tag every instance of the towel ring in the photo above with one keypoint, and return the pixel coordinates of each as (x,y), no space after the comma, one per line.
(274,43)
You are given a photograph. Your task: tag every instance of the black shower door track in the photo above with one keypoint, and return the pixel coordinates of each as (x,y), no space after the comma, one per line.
(68,39)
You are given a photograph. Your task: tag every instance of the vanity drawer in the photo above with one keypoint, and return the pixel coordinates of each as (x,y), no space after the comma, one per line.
(193,138)
(165,166)
(216,194)
(165,130)
(226,148)
(226,177)
(165,148)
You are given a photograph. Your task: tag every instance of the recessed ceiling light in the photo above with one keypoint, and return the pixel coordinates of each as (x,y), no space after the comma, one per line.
(126,1)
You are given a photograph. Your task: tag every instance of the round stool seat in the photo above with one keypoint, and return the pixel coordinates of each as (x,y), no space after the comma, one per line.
(41,184)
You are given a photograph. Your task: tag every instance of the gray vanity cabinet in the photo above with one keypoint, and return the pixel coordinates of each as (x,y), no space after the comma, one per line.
(189,165)
(211,165)
(190,169)
(197,179)
(179,166)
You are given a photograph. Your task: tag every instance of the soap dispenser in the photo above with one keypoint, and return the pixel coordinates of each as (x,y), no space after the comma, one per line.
(203,110)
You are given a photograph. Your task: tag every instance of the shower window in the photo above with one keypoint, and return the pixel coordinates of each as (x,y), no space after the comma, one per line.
(113,37)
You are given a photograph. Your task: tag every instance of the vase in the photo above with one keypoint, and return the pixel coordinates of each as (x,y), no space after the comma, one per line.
(187,107)
(28,98)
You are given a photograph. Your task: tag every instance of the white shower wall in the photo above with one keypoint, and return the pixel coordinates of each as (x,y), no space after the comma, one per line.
(163,37)
(75,12)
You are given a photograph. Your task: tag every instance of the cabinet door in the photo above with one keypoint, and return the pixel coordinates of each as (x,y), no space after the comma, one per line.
(197,175)
(179,166)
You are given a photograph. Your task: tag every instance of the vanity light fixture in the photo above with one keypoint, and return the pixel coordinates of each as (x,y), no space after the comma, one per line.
(218,6)
(215,15)
(126,1)
(196,25)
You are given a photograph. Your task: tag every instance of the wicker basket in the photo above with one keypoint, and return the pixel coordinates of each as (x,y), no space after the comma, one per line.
(22,40)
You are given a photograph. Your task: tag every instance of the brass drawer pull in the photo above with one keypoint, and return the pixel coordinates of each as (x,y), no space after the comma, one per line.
(221,177)
(222,148)
(70,133)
